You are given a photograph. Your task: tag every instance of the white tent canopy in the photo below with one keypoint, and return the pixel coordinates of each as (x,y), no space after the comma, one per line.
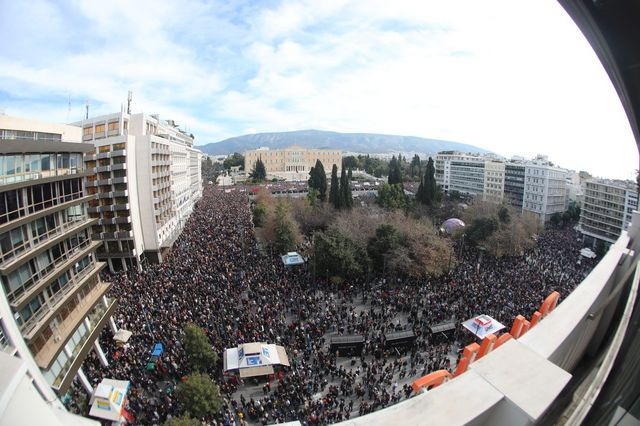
(482,326)
(255,359)
(292,258)
(108,399)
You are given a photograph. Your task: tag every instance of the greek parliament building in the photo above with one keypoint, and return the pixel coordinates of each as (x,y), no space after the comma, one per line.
(53,304)
(146,176)
(292,163)
(535,186)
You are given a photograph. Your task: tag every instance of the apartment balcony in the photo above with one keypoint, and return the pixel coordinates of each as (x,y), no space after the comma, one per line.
(111,154)
(56,236)
(114,220)
(113,194)
(98,319)
(47,354)
(117,254)
(31,217)
(110,208)
(119,235)
(160,162)
(61,266)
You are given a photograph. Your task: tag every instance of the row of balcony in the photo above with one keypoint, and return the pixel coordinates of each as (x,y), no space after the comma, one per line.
(113,194)
(46,355)
(111,154)
(112,235)
(117,254)
(110,181)
(111,208)
(109,168)
(114,220)
(55,236)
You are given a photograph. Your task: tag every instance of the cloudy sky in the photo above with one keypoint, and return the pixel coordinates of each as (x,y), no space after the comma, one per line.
(510,76)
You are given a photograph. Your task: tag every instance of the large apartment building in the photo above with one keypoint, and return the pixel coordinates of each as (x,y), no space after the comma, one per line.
(294,162)
(545,189)
(146,174)
(460,172)
(534,186)
(53,304)
(607,209)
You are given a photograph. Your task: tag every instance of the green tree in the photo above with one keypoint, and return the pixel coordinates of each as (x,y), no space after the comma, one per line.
(198,348)
(338,255)
(556,219)
(199,396)
(284,236)
(312,197)
(430,190)
(415,168)
(392,197)
(503,215)
(236,159)
(259,173)
(352,162)
(382,244)
(395,172)
(259,214)
(481,229)
(346,199)
(318,180)
(601,248)
(184,420)
(334,191)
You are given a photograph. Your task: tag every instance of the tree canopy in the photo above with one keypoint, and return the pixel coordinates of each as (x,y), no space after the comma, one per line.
(184,420)
(233,160)
(334,191)
(198,349)
(346,199)
(427,190)
(318,180)
(259,172)
(199,396)
(392,197)
(395,171)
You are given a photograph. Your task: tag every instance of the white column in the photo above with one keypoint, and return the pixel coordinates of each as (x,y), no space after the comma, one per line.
(84,381)
(101,355)
(112,324)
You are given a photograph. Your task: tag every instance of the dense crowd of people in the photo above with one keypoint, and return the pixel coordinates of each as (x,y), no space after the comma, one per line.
(217,277)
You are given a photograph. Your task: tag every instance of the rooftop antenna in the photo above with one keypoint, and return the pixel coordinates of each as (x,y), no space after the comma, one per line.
(129,96)
(87,110)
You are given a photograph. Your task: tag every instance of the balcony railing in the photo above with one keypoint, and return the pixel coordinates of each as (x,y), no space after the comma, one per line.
(64,330)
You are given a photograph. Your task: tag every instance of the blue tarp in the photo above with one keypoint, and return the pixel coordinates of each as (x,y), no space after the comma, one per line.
(157,350)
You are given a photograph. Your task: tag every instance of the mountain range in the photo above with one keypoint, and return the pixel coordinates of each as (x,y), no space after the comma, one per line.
(370,143)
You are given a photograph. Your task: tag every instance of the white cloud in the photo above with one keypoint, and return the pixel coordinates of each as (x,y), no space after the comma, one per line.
(513,77)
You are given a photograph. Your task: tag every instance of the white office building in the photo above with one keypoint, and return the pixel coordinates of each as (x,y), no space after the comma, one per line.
(494,180)
(533,186)
(147,177)
(545,189)
(461,172)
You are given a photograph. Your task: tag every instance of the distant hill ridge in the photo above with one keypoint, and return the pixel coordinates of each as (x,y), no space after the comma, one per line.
(371,143)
